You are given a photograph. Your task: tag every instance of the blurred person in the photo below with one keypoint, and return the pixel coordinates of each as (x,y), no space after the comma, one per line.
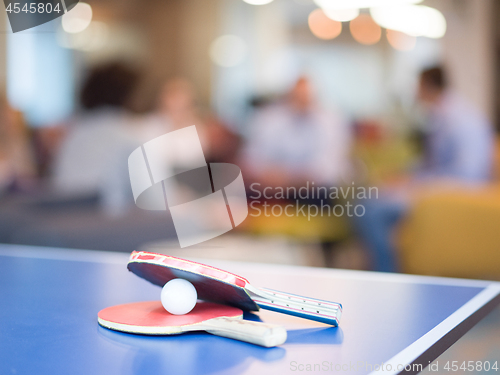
(177,108)
(298,145)
(296,141)
(223,144)
(17,168)
(459,142)
(458,150)
(177,104)
(92,158)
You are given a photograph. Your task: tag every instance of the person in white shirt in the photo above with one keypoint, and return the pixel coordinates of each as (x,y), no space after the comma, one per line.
(297,141)
(92,158)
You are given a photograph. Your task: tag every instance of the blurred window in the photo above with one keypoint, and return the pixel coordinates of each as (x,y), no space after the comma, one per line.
(40,75)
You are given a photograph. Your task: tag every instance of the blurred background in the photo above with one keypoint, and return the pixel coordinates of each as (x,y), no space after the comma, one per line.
(400,96)
(397,95)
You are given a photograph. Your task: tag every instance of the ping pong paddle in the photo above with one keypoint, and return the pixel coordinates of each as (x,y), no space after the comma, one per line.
(150,318)
(215,285)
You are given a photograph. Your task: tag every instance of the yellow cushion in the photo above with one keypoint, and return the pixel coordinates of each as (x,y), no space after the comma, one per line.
(454,233)
(326,228)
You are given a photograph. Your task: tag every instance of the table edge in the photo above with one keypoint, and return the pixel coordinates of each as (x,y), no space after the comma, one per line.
(110,257)
(435,342)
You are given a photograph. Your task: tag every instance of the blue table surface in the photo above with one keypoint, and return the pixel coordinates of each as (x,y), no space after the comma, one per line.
(50,299)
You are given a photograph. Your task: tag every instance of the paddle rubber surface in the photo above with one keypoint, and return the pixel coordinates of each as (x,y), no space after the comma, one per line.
(140,317)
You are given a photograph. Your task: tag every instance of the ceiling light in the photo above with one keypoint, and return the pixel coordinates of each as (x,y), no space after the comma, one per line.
(401,41)
(364,30)
(416,20)
(349,4)
(228,51)
(341,15)
(322,26)
(258,2)
(77,19)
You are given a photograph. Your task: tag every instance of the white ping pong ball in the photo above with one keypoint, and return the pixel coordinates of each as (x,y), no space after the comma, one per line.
(178,296)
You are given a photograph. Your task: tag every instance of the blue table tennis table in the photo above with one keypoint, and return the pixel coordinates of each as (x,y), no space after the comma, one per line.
(391,323)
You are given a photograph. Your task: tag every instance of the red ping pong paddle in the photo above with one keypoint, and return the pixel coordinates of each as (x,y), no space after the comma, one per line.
(150,318)
(215,285)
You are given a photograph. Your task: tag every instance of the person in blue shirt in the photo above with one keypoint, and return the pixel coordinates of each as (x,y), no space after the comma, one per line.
(458,150)
(460,139)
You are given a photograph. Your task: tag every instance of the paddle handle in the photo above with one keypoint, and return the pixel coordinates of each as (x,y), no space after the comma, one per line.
(262,334)
(291,304)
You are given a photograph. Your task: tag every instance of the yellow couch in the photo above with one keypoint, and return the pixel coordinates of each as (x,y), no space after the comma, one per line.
(453,233)
(317,229)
